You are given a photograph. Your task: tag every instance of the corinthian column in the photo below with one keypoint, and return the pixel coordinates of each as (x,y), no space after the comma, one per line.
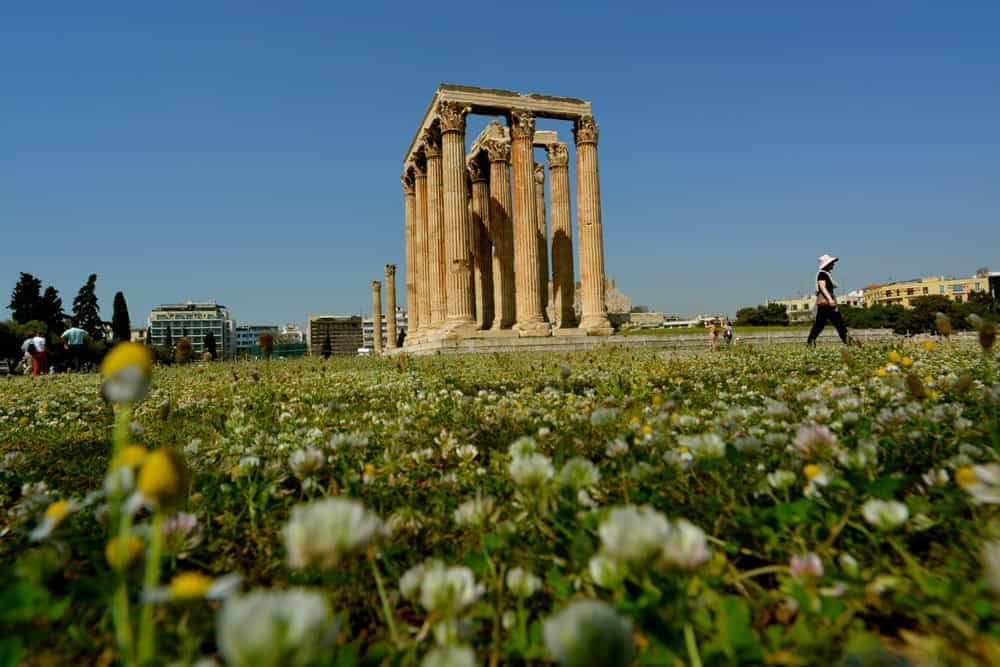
(501,233)
(483,281)
(435,226)
(460,305)
(410,199)
(563,287)
(377,316)
(390,306)
(422,259)
(530,316)
(588,210)
(543,236)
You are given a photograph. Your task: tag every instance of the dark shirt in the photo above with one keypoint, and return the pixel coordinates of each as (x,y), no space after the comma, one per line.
(825,278)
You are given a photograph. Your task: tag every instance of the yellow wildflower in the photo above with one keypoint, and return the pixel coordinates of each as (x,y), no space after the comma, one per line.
(163,478)
(133,551)
(965,477)
(929,345)
(126,371)
(370,469)
(907,362)
(812,471)
(130,456)
(880,372)
(647,430)
(190,585)
(57,511)
(894,357)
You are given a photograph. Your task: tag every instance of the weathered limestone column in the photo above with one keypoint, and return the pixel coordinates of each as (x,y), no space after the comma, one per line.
(501,233)
(563,284)
(460,301)
(410,200)
(435,227)
(483,281)
(588,211)
(530,316)
(377,315)
(390,306)
(543,236)
(422,259)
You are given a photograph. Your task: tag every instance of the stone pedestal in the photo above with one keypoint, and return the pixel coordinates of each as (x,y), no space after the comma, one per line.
(390,305)
(502,234)
(483,276)
(377,316)
(563,283)
(588,210)
(530,316)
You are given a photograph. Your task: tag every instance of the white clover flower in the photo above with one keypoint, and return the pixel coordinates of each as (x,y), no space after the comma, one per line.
(522,583)
(885,515)
(449,590)
(531,471)
(181,534)
(467,453)
(476,511)
(522,447)
(603,416)
(306,462)
(579,473)
(412,579)
(633,536)
(982,482)
(324,531)
(589,633)
(450,656)
(936,477)
(615,448)
(706,445)
(812,441)
(991,565)
(781,479)
(686,546)
(806,565)
(606,572)
(275,628)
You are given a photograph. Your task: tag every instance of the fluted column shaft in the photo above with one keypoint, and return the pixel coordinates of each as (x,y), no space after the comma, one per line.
(530,317)
(563,284)
(484,248)
(422,259)
(543,236)
(410,200)
(588,210)
(502,234)
(435,228)
(460,302)
(377,316)
(390,306)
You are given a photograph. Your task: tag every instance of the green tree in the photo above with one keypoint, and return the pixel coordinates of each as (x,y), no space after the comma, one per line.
(86,313)
(52,311)
(168,340)
(920,317)
(327,348)
(26,299)
(120,324)
(210,346)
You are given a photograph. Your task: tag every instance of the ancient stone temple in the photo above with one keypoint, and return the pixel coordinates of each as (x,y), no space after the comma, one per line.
(484,257)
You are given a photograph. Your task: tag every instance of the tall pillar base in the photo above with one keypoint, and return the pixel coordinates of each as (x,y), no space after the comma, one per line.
(597,325)
(456,329)
(533,329)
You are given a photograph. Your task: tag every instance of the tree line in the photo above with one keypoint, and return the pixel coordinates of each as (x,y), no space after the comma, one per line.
(36,310)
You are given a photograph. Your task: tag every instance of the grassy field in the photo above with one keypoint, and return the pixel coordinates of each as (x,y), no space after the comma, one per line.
(701,331)
(765,506)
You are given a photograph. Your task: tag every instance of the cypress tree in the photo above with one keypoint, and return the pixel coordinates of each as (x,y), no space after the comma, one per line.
(26,299)
(86,313)
(327,348)
(120,324)
(52,311)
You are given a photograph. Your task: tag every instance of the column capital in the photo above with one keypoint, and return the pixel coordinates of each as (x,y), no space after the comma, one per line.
(419,164)
(585,130)
(476,172)
(452,116)
(376,285)
(432,142)
(539,173)
(407,179)
(522,124)
(390,270)
(558,155)
(496,150)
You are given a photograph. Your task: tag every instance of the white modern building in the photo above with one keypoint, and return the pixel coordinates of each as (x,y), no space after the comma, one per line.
(193,320)
(247,335)
(801,308)
(368,329)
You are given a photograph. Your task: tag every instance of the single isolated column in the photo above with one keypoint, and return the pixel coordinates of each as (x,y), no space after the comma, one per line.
(543,236)
(410,199)
(423,247)
(377,316)
(588,212)
(563,284)
(501,233)
(390,306)
(435,226)
(460,306)
(530,316)
(483,282)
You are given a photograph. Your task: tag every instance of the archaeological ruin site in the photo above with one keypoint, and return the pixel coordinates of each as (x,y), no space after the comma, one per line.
(478,236)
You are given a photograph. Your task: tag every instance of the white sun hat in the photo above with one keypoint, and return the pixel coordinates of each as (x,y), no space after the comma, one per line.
(826,260)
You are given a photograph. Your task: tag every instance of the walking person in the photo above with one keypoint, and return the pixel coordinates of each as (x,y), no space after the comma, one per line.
(39,355)
(826,302)
(73,342)
(727,332)
(713,334)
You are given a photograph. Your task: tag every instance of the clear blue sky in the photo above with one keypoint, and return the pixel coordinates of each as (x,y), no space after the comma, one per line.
(251,152)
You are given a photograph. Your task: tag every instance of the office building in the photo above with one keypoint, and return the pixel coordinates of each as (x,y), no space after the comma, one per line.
(191,320)
(344,332)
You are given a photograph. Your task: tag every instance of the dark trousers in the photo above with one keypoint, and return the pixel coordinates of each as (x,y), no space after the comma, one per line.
(75,355)
(826,314)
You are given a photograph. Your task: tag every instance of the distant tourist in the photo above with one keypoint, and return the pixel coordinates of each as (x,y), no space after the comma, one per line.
(713,334)
(826,302)
(727,332)
(34,346)
(400,337)
(73,342)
